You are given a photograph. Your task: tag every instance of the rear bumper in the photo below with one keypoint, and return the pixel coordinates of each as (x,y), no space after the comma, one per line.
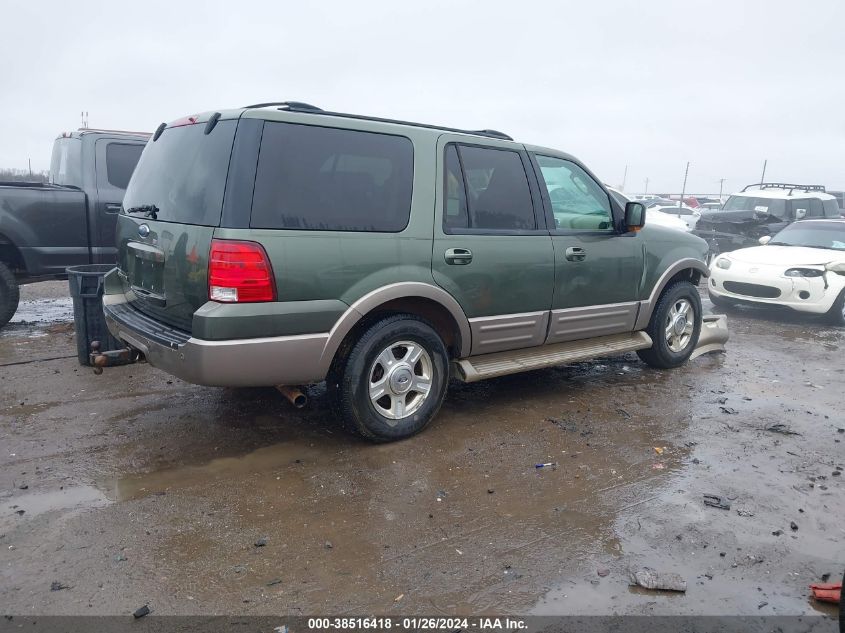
(254,362)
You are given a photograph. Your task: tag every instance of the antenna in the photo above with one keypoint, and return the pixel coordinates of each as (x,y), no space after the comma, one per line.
(683,190)
(763,176)
(624,178)
(84,116)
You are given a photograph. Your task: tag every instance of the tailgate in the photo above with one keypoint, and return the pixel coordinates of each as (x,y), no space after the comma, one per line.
(167,269)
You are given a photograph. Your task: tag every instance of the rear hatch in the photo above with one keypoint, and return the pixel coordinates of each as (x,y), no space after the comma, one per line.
(171,208)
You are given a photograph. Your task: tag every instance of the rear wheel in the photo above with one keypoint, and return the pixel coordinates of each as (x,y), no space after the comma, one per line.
(9,294)
(394,379)
(674,327)
(836,314)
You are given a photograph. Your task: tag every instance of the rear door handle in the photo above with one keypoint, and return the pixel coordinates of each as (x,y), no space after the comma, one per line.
(458,256)
(576,254)
(112,208)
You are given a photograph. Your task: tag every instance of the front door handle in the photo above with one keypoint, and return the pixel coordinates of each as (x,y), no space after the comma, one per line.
(112,208)
(576,254)
(458,256)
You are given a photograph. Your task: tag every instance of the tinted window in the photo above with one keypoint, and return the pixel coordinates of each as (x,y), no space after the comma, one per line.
(183,173)
(578,202)
(497,195)
(121,159)
(455,213)
(328,179)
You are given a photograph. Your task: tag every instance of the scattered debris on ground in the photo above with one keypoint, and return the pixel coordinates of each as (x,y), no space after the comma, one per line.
(651,579)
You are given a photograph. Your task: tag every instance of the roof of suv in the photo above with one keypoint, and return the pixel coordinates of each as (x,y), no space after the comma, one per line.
(784,194)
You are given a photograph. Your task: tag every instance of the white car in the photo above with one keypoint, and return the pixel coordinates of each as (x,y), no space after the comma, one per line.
(685,214)
(652,217)
(802,267)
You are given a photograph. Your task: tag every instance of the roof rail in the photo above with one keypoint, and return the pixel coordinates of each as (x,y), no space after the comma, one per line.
(296,106)
(785,185)
(306,108)
(83,130)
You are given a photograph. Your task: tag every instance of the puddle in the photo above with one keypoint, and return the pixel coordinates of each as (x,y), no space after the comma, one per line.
(70,498)
(44,311)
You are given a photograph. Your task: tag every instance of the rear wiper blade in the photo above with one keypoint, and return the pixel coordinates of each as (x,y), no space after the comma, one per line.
(149,210)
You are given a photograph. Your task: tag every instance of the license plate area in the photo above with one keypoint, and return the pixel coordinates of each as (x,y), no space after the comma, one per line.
(147,273)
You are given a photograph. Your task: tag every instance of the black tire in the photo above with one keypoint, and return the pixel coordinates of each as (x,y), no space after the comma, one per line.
(720,302)
(836,314)
(352,379)
(661,355)
(10,294)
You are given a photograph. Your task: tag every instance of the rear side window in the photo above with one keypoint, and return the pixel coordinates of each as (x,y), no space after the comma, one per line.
(330,179)
(809,208)
(183,174)
(121,159)
(486,189)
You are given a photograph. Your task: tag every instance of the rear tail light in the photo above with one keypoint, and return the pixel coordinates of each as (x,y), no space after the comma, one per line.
(239,272)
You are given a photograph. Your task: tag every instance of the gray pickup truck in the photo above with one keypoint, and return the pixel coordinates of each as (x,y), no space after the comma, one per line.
(46,227)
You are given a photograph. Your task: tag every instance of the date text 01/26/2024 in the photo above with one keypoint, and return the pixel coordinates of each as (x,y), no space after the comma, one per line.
(412,624)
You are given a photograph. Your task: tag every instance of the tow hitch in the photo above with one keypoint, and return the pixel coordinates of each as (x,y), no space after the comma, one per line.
(98,360)
(714,335)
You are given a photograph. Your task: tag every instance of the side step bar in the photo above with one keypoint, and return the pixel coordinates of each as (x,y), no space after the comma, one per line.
(485,366)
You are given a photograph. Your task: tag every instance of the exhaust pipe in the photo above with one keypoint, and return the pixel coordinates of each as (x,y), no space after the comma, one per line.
(294,395)
(714,335)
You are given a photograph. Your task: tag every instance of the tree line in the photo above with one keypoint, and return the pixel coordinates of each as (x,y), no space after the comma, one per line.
(22,175)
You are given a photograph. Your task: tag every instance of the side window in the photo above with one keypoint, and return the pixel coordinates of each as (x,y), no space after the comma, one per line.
(121,159)
(496,197)
(331,179)
(578,202)
(831,209)
(455,211)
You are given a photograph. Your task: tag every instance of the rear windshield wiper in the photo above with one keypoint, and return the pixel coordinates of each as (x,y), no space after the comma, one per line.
(149,210)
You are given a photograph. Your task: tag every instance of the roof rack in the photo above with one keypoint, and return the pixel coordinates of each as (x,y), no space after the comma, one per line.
(307,108)
(83,130)
(785,185)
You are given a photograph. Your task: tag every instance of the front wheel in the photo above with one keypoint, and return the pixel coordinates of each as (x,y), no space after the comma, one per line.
(836,314)
(9,294)
(394,379)
(674,327)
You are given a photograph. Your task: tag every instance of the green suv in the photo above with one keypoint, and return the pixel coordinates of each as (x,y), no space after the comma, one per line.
(283,245)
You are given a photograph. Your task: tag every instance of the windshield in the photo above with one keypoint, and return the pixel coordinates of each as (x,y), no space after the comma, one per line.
(813,234)
(772,206)
(182,175)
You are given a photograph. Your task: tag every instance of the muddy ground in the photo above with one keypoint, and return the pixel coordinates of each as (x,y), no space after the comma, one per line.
(134,488)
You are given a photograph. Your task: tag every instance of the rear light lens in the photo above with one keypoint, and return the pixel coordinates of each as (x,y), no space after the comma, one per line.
(239,272)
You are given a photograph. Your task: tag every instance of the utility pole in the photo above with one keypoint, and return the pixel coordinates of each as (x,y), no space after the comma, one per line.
(721,186)
(646,186)
(30,167)
(624,178)
(683,190)
(763,176)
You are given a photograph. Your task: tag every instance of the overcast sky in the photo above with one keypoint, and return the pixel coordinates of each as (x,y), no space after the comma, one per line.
(722,84)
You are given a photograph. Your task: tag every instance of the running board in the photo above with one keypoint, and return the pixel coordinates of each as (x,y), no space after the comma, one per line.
(486,366)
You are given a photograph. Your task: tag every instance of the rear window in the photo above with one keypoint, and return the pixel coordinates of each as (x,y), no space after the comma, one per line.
(121,159)
(330,179)
(183,173)
(66,162)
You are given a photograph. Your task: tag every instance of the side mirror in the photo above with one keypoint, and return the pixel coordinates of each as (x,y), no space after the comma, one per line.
(765,239)
(800,214)
(634,216)
(835,267)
